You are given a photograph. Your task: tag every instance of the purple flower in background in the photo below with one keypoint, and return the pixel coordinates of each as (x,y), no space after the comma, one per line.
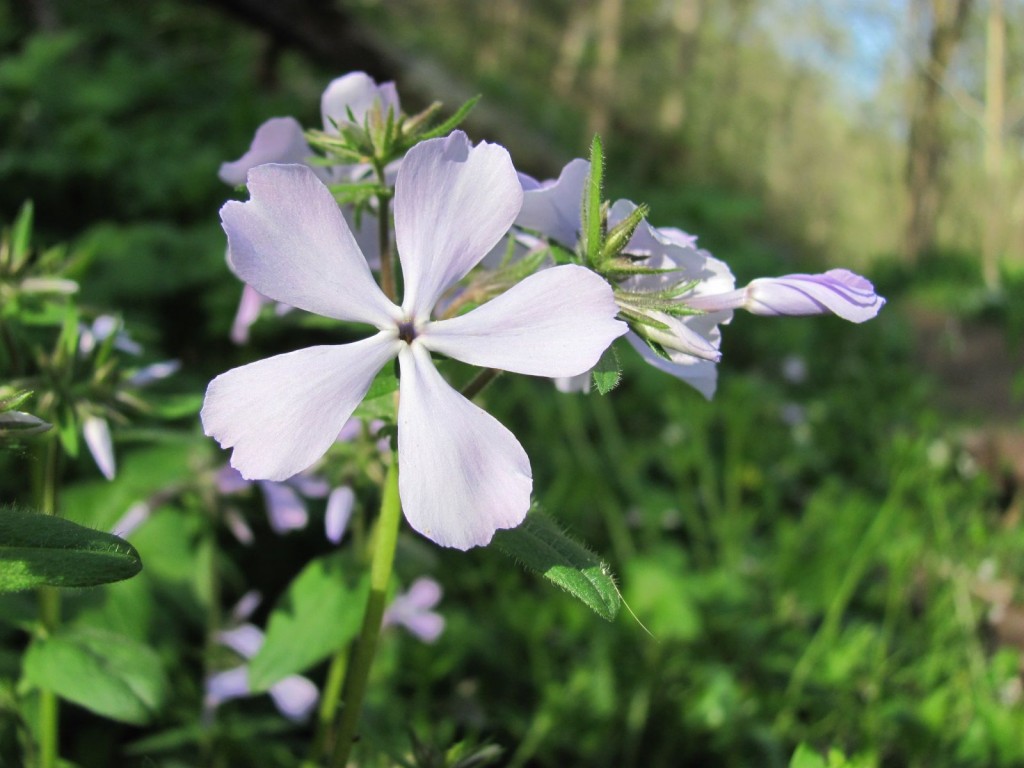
(282,140)
(464,475)
(95,428)
(552,207)
(294,696)
(286,510)
(412,609)
(278,140)
(356,94)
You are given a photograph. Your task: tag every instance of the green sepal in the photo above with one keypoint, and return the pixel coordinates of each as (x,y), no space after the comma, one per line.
(452,122)
(14,401)
(358,193)
(43,550)
(540,545)
(608,372)
(638,320)
(107,673)
(592,214)
(620,235)
(320,612)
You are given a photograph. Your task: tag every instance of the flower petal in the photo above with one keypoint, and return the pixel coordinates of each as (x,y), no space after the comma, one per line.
(338,513)
(553,208)
(838,291)
(283,413)
(356,92)
(96,432)
(462,474)
(291,243)
(702,375)
(137,514)
(279,140)
(556,322)
(453,202)
(295,696)
(227,685)
(245,639)
(248,312)
(285,509)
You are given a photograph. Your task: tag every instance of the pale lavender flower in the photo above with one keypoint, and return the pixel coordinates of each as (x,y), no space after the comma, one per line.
(294,696)
(412,609)
(464,475)
(691,342)
(278,140)
(552,207)
(136,515)
(838,291)
(338,513)
(102,328)
(286,510)
(356,93)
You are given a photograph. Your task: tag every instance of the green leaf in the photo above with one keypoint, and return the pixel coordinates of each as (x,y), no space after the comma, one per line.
(38,549)
(607,373)
(109,674)
(540,545)
(21,236)
(319,613)
(805,757)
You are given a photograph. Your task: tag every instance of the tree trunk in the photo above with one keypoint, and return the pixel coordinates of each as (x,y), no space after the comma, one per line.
(927,139)
(994,237)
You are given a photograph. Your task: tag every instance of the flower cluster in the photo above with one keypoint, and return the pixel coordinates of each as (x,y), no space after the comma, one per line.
(552,310)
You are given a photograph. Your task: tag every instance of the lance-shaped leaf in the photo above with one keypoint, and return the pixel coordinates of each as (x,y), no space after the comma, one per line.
(318,614)
(38,550)
(540,545)
(110,674)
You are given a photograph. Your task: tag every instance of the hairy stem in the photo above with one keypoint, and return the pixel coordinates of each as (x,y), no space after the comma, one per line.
(366,644)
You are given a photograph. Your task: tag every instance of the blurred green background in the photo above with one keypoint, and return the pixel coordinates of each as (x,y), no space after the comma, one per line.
(829,553)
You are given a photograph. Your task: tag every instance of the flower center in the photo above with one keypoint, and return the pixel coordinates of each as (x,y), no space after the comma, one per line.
(407,332)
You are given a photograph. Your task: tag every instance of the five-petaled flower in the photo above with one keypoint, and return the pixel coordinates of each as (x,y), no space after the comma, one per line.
(463,475)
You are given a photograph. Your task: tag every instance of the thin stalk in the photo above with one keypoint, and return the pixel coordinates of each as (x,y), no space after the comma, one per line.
(329,700)
(480,382)
(366,644)
(49,601)
(387,261)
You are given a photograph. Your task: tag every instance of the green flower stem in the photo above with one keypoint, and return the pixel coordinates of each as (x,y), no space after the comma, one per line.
(387,261)
(366,644)
(45,476)
(480,382)
(329,700)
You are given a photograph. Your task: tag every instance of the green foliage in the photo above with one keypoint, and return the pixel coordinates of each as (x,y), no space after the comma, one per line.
(109,674)
(540,545)
(318,615)
(38,549)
